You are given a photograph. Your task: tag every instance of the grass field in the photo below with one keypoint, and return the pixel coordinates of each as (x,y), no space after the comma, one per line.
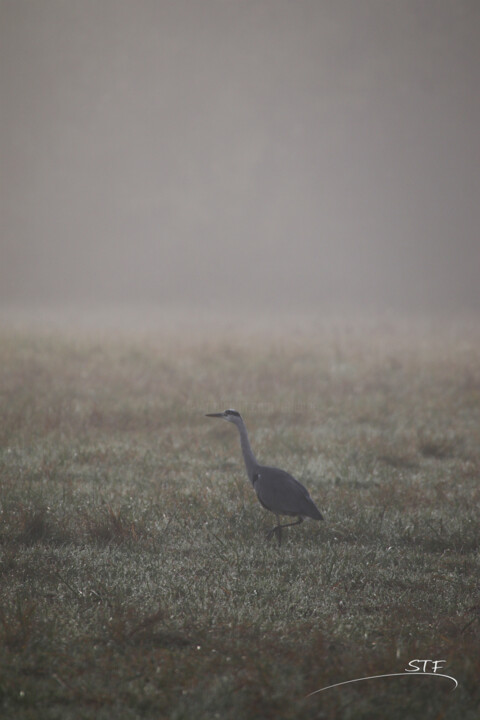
(135,579)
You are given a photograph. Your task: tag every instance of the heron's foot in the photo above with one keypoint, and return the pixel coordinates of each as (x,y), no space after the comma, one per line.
(277,530)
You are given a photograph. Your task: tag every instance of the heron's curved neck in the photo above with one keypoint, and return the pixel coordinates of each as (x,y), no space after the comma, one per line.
(250,459)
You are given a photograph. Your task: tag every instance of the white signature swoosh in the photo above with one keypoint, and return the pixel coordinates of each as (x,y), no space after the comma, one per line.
(374,677)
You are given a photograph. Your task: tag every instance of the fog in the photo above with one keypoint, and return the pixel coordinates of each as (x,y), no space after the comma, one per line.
(272,155)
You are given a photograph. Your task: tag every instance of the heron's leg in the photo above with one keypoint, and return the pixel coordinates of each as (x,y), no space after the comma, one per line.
(278,528)
(297,522)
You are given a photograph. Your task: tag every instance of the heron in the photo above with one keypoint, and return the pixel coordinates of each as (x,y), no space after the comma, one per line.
(276,489)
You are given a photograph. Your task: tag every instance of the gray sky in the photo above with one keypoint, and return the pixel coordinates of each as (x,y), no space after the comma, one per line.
(270,154)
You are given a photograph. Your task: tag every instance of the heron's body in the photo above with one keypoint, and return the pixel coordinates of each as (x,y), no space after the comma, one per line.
(277,490)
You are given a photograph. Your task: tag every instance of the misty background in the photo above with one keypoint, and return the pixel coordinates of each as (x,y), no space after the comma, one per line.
(266,155)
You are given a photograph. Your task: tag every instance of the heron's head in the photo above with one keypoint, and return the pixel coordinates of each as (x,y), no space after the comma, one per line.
(229,415)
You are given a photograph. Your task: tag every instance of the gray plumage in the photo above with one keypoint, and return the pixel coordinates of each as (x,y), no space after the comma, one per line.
(277,490)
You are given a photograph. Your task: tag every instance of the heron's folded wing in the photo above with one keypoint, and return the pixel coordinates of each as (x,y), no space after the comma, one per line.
(281,493)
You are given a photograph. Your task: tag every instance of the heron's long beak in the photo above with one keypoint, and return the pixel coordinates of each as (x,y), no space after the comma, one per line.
(220,415)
